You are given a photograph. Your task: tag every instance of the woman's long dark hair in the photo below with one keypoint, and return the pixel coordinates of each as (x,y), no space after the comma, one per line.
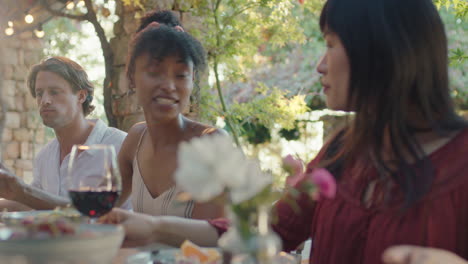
(399,69)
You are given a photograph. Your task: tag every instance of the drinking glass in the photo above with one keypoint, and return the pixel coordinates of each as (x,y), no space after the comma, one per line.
(94,182)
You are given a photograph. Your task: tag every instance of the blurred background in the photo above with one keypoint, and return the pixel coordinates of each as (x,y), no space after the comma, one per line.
(261,85)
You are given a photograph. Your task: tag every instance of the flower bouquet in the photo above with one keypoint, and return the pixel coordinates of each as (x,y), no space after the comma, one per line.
(317,183)
(211,167)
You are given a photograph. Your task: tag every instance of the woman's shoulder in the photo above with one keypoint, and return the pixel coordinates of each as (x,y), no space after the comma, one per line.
(454,151)
(214,131)
(450,163)
(133,138)
(137,129)
(201,129)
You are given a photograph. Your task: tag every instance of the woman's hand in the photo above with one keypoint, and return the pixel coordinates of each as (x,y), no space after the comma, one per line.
(420,255)
(139,228)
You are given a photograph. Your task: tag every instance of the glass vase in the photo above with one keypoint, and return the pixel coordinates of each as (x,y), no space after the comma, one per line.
(250,239)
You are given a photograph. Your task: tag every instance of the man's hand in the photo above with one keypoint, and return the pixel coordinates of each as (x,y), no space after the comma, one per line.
(11,187)
(420,255)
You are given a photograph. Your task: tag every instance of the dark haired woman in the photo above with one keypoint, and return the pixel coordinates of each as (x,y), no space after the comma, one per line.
(164,66)
(401,164)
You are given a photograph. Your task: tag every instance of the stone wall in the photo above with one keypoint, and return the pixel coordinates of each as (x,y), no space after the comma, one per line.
(22,133)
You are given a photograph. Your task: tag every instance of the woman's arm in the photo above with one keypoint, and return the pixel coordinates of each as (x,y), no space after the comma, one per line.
(293,219)
(141,229)
(209,210)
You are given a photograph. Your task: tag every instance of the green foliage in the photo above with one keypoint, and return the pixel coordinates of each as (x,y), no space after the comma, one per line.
(246,211)
(136,3)
(457,34)
(290,134)
(460,7)
(255,133)
(457,16)
(270,108)
(293,66)
(61,35)
(232,32)
(457,57)
(210,109)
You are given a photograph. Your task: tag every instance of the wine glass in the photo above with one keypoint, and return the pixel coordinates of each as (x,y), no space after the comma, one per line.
(94,182)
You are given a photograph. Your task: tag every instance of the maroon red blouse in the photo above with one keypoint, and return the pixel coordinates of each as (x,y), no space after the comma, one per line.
(344,231)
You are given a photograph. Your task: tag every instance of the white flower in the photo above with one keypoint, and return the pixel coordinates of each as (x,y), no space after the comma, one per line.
(208,165)
(254,181)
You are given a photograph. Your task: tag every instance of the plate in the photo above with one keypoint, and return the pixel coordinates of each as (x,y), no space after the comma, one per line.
(158,256)
(170,256)
(91,244)
(15,218)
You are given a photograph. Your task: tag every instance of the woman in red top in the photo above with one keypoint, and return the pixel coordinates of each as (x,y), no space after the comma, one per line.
(401,164)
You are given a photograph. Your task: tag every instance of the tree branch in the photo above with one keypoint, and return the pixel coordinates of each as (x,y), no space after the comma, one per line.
(229,121)
(108,54)
(62,14)
(108,61)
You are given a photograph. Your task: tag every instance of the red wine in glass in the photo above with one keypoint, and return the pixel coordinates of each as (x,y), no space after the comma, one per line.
(95,186)
(94,203)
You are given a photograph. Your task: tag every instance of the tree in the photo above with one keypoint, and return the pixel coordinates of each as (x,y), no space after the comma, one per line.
(91,16)
(227,34)
(233,32)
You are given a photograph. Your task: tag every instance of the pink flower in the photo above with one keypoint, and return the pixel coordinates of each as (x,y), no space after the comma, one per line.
(325,182)
(292,180)
(318,183)
(295,168)
(292,165)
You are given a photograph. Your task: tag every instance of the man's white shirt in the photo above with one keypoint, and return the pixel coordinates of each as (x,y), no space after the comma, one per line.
(51,176)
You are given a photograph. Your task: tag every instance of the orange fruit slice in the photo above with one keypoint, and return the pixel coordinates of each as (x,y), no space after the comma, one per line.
(190,250)
(213,255)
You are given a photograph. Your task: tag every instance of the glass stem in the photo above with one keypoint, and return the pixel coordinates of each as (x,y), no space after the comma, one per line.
(263,220)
